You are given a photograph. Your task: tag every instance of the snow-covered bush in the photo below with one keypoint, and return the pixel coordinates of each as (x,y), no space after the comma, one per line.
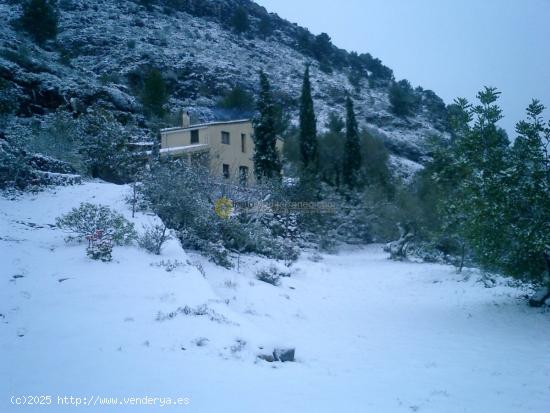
(87,219)
(58,136)
(100,246)
(93,143)
(14,169)
(327,242)
(230,284)
(277,248)
(270,275)
(168,265)
(217,253)
(283,225)
(184,196)
(103,146)
(153,237)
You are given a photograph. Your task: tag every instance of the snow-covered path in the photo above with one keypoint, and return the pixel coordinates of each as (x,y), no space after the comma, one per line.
(371,335)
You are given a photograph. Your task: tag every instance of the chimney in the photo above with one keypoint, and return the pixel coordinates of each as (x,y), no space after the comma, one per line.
(185,120)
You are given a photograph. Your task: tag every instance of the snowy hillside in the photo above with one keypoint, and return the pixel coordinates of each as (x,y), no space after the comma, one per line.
(370,334)
(104,47)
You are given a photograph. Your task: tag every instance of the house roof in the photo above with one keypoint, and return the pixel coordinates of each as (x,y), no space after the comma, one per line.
(205,125)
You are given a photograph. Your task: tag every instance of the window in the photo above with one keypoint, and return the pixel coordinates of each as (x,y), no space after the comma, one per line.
(225,170)
(225,138)
(243,175)
(243,143)
(194,136)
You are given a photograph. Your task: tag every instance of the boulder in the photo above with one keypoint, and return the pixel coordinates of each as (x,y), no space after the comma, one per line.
(267,357)
(540,298)
(283,354)
(121,100)
(77,106)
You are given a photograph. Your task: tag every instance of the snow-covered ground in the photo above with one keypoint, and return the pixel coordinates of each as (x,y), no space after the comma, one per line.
(371,335)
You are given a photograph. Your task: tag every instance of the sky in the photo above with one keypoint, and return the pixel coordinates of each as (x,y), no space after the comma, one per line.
(452,47)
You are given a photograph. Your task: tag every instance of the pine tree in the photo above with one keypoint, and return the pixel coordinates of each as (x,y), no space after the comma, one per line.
(352,149)
(267,164)
(308,126)
(39,19)
(154,94)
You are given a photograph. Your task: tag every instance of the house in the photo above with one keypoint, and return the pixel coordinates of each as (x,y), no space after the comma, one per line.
(227,147)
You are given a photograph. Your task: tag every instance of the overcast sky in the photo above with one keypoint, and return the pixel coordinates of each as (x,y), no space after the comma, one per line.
(452,47)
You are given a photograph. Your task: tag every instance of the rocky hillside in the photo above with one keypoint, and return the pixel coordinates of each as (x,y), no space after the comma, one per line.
(104,48)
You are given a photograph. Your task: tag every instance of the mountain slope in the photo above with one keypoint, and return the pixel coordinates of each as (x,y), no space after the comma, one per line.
(103,50)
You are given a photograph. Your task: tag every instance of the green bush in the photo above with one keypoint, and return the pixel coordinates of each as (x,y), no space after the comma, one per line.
(58,136)
(154,93)
(102,146)
(87,219)
(15,171)
(39,19)
(8,98)
(240,21)
(237,98)
(403,99)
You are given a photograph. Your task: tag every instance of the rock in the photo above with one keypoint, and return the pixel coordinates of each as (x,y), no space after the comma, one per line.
(267,357)
(121,100)
(201,341)
(283,354)
(540,297)
(77,105)
(398,249)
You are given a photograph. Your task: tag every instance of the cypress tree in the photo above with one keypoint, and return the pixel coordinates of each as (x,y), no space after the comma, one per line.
(352,148)
(308,126)
(267,164)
